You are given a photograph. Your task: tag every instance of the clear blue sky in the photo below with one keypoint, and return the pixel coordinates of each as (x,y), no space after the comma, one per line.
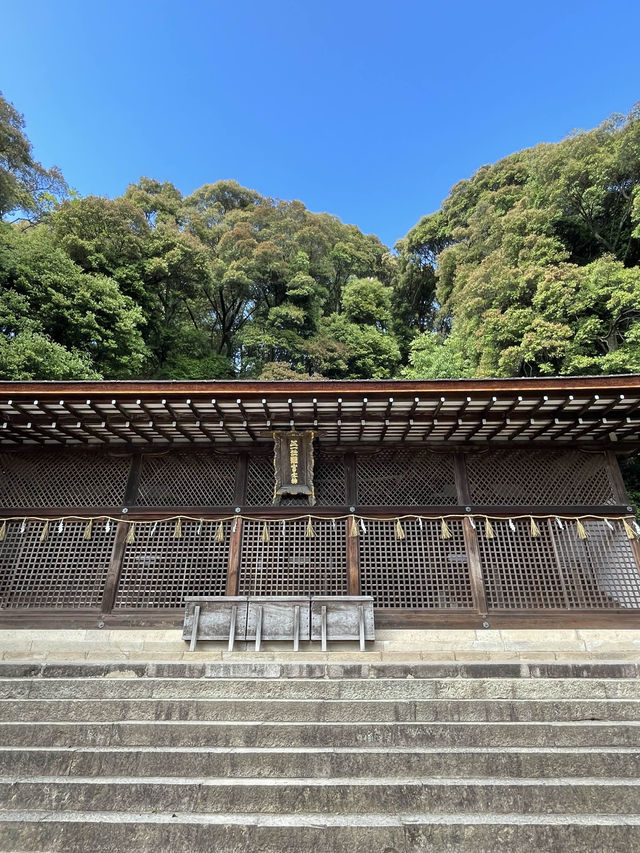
(368,110)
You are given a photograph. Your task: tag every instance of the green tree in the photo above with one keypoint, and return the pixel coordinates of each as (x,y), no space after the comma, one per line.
(44,297)
(26,187)
(536,260)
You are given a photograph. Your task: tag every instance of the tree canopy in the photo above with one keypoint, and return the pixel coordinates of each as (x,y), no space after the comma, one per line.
(536,262)
(530,267)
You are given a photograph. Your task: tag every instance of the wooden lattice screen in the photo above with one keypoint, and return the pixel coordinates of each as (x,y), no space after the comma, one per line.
(539,477)
(406,478)
(291,563)
(187,479)
(557,569)
(422,570)
(64,570)
(159,570)
(59,478)
(328,475)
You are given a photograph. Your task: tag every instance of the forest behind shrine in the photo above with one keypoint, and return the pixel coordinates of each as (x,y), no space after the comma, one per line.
(530,267)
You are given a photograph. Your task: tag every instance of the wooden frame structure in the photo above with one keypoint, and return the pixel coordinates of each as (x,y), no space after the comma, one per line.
(452,502)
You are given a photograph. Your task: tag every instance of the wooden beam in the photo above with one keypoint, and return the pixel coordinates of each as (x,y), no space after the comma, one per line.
(153,421)
(61,426)
(25,433)
(628,384)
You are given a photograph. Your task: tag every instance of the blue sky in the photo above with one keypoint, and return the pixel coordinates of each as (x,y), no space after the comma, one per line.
(367,110)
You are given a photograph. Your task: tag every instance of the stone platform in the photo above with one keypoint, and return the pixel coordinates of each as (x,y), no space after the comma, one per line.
(513,645)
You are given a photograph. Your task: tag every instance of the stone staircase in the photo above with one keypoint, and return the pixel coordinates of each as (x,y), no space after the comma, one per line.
(267,756)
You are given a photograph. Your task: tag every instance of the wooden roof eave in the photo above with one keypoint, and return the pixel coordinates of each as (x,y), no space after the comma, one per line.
(147,413)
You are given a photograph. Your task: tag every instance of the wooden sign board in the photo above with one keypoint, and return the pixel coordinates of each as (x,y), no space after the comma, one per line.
(293,464)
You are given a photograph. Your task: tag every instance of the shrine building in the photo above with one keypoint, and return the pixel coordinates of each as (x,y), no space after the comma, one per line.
(480,502)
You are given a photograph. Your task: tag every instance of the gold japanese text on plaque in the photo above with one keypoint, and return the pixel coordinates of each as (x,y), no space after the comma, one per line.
(293,464)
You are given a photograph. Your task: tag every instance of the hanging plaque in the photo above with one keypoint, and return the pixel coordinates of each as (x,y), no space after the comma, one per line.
(293,463)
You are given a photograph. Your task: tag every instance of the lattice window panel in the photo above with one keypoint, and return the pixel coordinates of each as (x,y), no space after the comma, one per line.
(520,571)
(538,477)
(65,570)
(406,478)
(291,563)
(187,479)
(60,478)
(558,570)
(599,571)
(328,475)
(159,570)
(422,570)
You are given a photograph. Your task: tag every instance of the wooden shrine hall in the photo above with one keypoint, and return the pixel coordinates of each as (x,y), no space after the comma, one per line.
(452,502)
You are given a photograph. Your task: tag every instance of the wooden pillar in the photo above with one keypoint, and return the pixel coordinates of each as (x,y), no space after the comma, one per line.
(352,478)
(131,491)
(353,551)
(462,482)
(615,478)
(475,567)
(235,553)
(353,562)
(120,542)
(470,537)
(235,540)
(115,565)
(242,471)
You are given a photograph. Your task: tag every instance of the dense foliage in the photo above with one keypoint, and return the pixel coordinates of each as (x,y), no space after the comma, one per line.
(536,262)
(530,267)
(220,283)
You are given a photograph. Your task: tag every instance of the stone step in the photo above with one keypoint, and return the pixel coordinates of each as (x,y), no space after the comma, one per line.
(267,734)
(327,666)
(327,710)
(345,689)
(321,762)
(323,796)
(79,831)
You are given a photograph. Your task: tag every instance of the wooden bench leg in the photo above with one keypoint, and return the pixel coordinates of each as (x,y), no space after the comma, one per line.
(194,630)
(259,629)
(324,628)
(232,629)
(296,628)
